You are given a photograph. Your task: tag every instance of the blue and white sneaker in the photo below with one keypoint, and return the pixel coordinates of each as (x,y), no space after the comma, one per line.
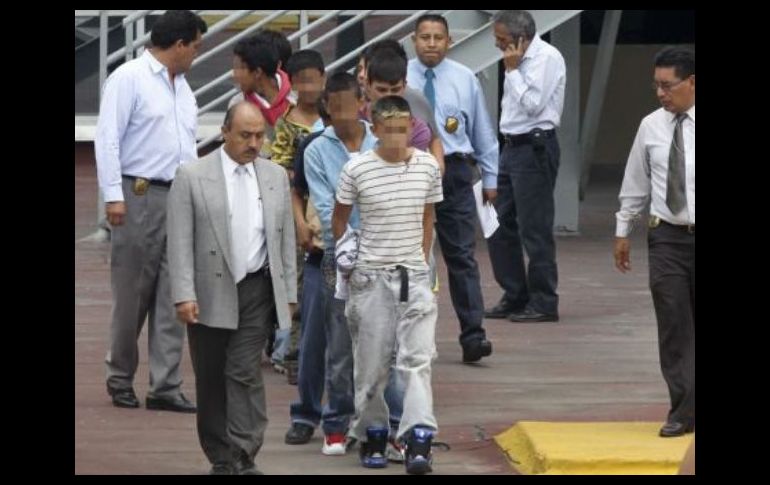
(372,451)
(418,455)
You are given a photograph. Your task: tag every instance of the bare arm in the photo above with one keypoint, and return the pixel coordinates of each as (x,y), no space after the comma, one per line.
(427,230)
(340,219)
(437,150)
(304,233)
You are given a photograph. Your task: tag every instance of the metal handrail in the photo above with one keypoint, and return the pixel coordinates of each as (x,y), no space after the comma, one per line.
(215,82)
(238,37)
(357,50)
(312,25)
(142,41)
(339,28)
(139,14)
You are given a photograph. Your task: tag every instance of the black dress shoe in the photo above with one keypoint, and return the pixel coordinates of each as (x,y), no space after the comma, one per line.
(248,468)
(502,309)
(124,398)
(298,434)
(673,428)
(245,466)
(179,404)
(222,469)
(529,316)
(473,351)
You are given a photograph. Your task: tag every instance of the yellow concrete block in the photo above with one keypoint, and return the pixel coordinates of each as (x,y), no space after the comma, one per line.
(617,448)
(283,23)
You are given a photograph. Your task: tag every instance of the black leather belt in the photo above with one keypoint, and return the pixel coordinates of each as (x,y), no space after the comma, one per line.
(655,221)
(526,138)
(314,257)
(263,271)
(460,157)
(161,183)
(404,290)
(689,228)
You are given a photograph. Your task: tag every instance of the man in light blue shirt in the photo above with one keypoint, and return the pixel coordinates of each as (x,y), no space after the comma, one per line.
(146,129)
(533,98)
(469,140)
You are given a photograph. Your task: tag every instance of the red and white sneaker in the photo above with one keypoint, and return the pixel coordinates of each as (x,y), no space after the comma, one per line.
(334,444)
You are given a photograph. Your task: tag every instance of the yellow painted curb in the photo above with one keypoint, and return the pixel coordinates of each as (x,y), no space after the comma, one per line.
(284,22)
(617,448)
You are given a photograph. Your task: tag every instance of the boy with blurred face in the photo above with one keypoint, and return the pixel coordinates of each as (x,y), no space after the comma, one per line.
(392,311)
(386,76)
(324,158)
(256,72)
(306,71)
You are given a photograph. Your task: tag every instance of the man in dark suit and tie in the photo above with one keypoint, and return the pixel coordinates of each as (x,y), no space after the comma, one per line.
(231,250)
(661,170)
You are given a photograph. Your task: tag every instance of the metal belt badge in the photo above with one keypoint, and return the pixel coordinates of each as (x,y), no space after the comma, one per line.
(451,124)
(653,222)
(140,186)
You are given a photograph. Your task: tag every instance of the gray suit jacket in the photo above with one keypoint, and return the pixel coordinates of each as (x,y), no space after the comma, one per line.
(198,226)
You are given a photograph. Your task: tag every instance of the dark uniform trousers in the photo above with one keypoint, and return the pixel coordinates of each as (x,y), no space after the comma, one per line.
(672,282)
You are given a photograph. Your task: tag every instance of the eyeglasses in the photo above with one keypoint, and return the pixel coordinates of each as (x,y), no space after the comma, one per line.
(666,86)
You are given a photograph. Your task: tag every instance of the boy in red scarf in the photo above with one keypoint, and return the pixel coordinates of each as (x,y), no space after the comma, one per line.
(256,71)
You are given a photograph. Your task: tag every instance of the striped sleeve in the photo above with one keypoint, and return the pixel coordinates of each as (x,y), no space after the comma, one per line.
(347,191)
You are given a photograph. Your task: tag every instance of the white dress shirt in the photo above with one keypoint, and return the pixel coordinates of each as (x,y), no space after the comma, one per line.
(146,125)
(257,253)
(533,93)
(647,171)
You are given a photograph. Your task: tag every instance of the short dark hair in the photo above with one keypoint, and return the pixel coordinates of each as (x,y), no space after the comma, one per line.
(321,106)
(383,46)
(256,52)
(517,22)
(176,25)
(387,106)
(279,42)
(386,66)
(304,59)
(341,81)
(431,17)
(682,59)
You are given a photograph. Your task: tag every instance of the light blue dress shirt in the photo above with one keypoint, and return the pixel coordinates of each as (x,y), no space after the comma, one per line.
(146,126)
(459,96)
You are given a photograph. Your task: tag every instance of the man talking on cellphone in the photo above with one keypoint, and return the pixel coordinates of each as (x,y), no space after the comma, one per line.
(533,98)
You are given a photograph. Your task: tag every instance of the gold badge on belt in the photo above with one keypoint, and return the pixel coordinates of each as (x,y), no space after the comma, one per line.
(653,222)
(451,124)
(140,186)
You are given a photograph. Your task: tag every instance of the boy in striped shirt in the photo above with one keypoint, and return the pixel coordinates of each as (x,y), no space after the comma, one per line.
(391,308)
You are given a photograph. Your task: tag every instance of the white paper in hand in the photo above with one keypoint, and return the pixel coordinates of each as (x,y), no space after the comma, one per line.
(487,212)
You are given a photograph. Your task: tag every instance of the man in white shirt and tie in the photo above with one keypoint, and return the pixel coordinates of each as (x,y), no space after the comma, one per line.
(146,129)
(232,260)
(533,98)
(661,170)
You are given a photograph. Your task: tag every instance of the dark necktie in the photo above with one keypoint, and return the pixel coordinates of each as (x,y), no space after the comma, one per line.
(676,196)
(428,90)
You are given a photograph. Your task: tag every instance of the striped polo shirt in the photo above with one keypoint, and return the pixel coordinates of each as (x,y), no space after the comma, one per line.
(391,200)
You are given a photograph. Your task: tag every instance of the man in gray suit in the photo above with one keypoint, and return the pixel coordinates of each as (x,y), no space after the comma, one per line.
(231,252)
